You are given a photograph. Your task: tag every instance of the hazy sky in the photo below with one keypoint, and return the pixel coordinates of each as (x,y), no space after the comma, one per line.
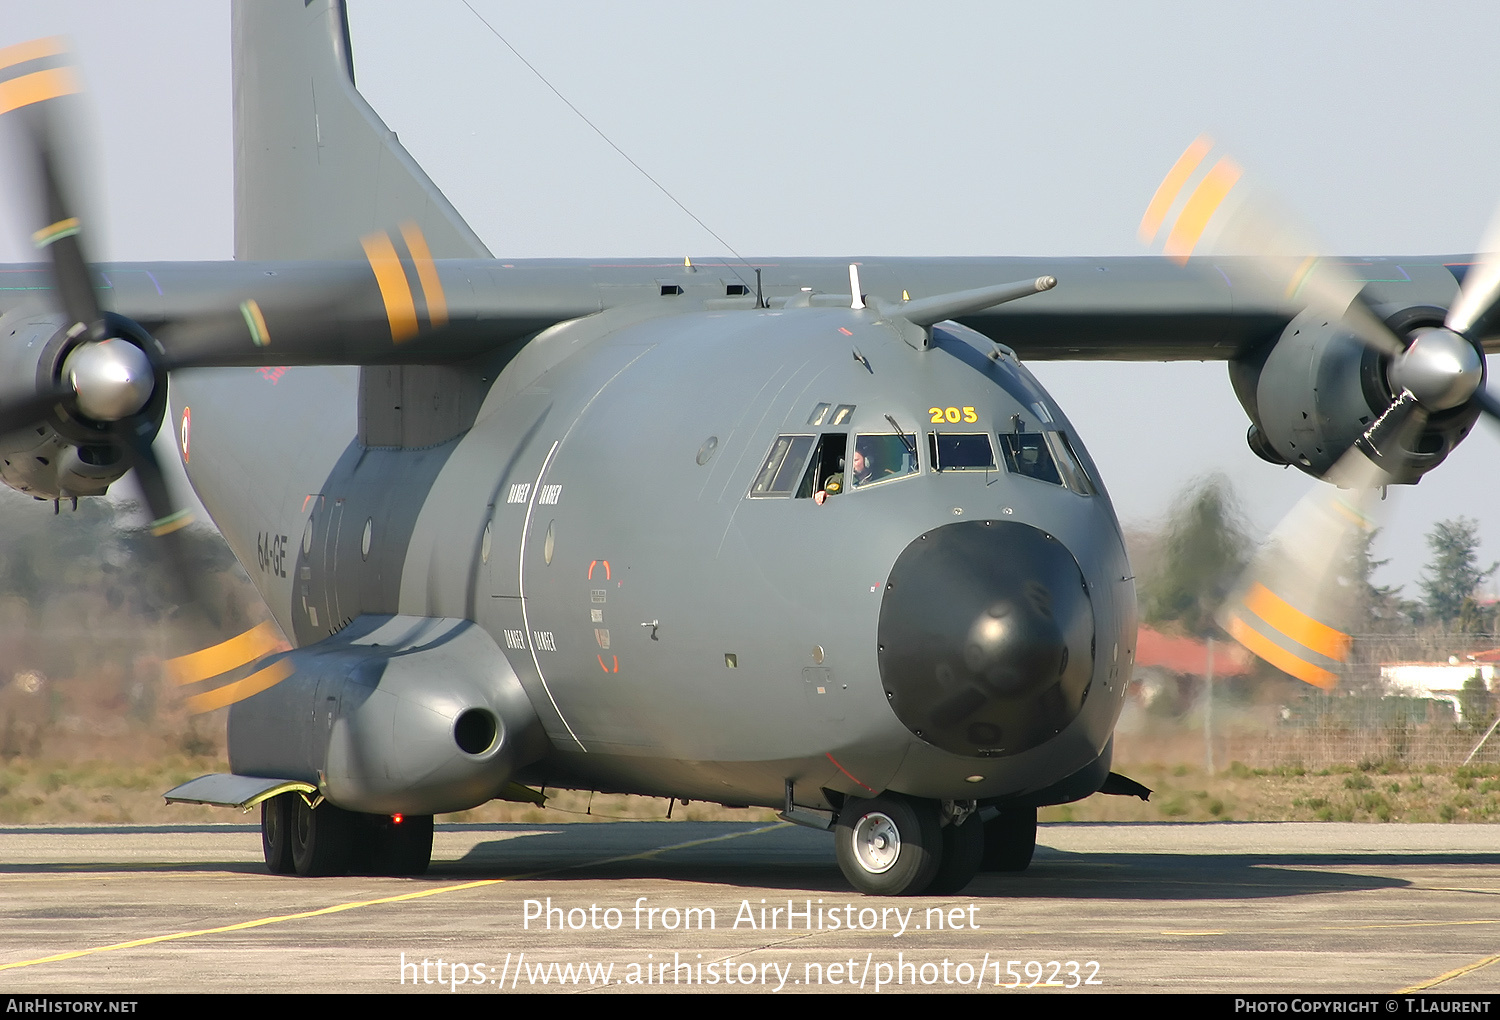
(872,129)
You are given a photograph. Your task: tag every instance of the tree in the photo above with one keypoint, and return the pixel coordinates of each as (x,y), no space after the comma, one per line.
(1204,549)
(1377,607)
(1450,581)
(1478,703)
(1377,617)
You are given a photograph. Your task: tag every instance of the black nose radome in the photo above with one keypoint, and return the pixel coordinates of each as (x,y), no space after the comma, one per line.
(986,637)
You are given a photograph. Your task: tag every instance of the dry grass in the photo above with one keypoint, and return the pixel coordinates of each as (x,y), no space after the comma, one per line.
(1373,791)
(42,792)
(33,792)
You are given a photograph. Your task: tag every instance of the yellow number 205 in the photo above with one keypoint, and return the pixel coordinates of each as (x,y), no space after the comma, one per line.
(952,415)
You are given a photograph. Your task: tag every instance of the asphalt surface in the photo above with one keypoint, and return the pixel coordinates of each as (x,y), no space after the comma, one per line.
(697,906)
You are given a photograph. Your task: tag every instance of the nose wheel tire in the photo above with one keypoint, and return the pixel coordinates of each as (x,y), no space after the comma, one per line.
(889,845)
(322,838)
(275,833)
(1010,840)
(963,850)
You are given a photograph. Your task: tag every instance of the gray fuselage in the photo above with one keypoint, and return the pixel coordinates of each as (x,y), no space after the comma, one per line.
(676,634)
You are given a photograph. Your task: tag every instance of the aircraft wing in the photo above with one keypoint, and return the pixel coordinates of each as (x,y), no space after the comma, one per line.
(415,310)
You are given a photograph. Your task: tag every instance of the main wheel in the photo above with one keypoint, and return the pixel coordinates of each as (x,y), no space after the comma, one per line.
(1010,840)
(963,849)
(401,847)
(890,845)
(322,838)
(275,833)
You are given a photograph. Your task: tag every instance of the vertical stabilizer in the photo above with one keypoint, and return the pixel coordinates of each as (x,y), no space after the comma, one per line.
(314,167)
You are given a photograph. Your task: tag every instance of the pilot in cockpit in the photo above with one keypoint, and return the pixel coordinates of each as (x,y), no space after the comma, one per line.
(865,470)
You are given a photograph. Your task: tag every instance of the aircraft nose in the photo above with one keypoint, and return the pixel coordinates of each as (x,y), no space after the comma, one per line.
(986,637)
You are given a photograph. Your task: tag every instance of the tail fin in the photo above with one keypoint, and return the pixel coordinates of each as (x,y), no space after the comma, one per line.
(314,166)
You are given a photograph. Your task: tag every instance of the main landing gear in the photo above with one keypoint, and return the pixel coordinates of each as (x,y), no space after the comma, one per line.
(326,840)
(894,845)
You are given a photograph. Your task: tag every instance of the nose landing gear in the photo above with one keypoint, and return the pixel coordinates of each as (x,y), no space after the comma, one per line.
(894,845)
(889,845)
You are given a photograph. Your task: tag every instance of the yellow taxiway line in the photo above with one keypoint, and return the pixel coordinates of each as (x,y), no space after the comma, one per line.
(1468,968)
(261,922)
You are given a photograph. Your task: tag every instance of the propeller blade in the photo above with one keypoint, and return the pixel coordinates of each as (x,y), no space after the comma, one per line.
(320,319)
(1487,403)
(167,520)
(347,313)
(36,79)
(1203,208)
(1481,287)
(1294,604)
(58,234)
(109,380)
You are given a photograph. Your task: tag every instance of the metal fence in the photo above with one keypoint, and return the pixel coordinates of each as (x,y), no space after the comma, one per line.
(1266,721)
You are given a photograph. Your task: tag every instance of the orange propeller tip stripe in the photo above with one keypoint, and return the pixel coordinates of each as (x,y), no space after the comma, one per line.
(1172,185)
(1290,622)
(261,680)
(37,87)
(1279,657)
(400,309)
(239,650)
(427,274)
(1200,208)
(35,49)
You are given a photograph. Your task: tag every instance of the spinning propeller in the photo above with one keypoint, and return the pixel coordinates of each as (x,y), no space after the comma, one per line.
(104,387)
(1292,604)
(109,382)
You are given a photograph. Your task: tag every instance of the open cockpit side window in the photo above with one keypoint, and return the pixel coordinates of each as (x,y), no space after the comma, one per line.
(825,472)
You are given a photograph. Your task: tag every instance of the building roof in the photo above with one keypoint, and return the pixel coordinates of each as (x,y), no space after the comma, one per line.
(1187,655)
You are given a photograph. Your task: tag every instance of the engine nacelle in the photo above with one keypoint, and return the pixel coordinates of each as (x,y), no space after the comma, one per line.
(1316,390)
(64,454)
(392,714)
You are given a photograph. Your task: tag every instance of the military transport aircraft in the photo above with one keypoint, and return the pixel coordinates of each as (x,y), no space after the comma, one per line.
(800,533)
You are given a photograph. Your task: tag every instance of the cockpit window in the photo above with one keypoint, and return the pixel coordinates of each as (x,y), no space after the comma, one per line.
(1045,456)
(1074,477)
(1027,453)
(881,458)
(956,451)
(782,469)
